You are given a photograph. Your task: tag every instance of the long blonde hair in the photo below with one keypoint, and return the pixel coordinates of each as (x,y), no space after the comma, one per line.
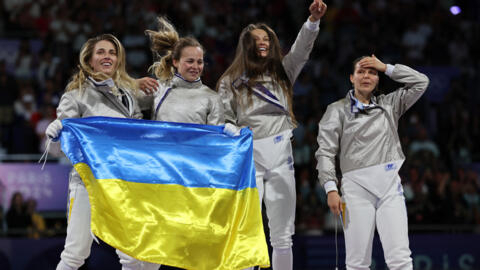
(248,63)
(167,46)
(120,76)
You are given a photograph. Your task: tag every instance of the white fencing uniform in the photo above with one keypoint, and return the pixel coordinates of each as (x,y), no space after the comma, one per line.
(96,99)
(273,161)
(268,117)
(366,141)
(388,214)
(181,101)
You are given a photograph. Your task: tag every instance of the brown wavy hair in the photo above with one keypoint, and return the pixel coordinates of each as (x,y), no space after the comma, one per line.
(248,63)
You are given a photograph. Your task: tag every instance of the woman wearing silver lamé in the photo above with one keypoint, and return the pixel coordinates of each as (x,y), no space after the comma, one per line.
(361,129)
(256,91)
(181,96)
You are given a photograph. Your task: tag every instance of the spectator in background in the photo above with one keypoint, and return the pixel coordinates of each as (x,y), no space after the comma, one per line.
(48,115)
(17,219)
(460,213)
(23,138)
(471,197)
(24,62)
(50,94)
(37,226)
(25,105)
(47,68)
(423,143)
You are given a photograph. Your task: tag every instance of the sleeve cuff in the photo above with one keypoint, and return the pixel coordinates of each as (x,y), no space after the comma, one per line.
(389,70)
(330,186)
(312,26)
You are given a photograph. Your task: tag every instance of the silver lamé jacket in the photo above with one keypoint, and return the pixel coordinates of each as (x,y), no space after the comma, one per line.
(182,101)
(264,118)
(364,138)
(96,99)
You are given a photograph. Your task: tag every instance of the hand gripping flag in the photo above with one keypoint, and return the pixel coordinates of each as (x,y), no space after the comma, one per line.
(176,194)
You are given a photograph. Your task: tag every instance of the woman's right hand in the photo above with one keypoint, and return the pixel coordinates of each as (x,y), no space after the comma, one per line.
(53,129)
(334,202)
(147,85)
(373,62)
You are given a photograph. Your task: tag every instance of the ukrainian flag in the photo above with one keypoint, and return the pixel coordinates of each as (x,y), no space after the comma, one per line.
(176,194)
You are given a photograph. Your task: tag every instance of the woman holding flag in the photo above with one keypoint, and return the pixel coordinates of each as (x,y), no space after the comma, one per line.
(100,87)
(181,96)
(256,91)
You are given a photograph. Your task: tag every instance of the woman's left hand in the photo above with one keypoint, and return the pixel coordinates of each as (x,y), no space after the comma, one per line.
(317,10)
(372,62)
(147,85)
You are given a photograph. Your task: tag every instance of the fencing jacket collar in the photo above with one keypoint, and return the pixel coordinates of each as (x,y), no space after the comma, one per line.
(105,83)
(180,82)
(356,106)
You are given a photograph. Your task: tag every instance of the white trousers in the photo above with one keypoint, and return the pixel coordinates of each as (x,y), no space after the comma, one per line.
(79,239)
(78,242)
(364,211)
(276,187)
(130,263)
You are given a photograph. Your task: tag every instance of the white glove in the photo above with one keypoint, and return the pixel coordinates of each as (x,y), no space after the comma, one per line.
(231,130)
(53,129)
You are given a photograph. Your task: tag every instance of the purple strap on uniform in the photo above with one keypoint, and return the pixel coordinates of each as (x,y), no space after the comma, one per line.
(259,90)
(161,100)
(264,90)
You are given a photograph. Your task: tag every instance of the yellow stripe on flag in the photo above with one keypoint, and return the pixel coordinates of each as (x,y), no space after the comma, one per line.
(202,228)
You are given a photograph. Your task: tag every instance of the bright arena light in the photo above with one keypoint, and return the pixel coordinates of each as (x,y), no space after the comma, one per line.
(455,10)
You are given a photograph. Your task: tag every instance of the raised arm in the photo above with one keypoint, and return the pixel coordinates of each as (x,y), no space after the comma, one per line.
(298,55)
(415,83)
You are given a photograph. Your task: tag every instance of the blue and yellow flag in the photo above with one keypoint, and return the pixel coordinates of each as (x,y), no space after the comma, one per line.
(176,194)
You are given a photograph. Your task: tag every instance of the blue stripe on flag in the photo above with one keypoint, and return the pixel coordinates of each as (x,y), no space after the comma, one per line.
(157,152)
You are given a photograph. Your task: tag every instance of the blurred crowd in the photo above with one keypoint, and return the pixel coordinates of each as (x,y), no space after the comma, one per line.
(23,220)
(41,39)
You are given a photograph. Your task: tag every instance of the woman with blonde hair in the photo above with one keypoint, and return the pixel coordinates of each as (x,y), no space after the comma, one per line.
(100,87)
(181,96)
